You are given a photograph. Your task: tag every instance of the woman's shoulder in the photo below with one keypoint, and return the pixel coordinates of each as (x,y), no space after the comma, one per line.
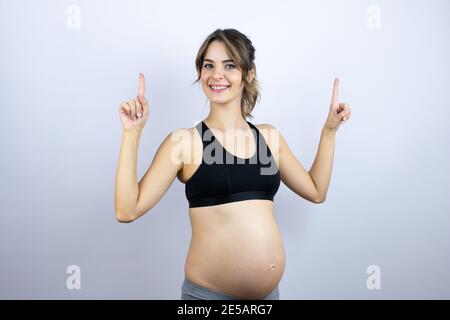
(186,141)
(271,135)
(267,130)
(266,126)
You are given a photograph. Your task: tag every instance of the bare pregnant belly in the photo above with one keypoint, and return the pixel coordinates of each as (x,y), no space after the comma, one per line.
(236,248)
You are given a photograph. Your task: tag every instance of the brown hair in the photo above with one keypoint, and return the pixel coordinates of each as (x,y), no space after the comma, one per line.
(241,50)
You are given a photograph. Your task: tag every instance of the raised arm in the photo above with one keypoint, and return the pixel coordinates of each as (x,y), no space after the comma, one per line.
(313,184)
(293,174)
(322,166)
(133,199)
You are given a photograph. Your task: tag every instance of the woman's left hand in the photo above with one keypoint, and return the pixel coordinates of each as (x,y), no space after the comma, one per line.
(340,112)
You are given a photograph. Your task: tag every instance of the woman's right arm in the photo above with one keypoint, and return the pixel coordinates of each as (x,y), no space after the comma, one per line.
(127,190)
(133,199)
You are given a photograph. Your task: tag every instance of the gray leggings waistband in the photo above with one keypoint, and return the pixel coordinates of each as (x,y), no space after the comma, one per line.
(192,291)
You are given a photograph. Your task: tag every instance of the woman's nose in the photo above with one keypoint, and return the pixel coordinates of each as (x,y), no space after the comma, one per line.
(218,73)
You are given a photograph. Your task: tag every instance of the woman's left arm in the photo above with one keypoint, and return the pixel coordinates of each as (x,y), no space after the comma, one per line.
(311,185)
(320,171)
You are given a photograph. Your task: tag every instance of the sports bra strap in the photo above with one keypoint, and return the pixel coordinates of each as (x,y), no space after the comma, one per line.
(202,127)
(210,138)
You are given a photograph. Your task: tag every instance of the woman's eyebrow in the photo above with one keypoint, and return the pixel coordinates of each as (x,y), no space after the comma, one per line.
(222,61)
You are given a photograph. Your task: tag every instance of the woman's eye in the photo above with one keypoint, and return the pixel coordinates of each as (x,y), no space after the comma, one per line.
(228,65)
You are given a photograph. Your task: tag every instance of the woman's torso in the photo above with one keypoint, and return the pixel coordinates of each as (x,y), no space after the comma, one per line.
(236,248)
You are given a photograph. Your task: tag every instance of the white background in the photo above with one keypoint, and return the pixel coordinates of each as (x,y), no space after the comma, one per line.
(60,134)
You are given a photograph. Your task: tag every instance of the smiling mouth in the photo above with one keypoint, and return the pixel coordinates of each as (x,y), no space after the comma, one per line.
(218,89)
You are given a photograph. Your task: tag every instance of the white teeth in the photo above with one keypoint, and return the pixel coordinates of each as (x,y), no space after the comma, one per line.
(219,88)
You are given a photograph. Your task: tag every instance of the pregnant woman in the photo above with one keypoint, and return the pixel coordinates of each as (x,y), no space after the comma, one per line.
(231,169)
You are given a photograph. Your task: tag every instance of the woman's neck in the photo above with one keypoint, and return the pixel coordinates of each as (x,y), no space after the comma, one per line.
(223,118)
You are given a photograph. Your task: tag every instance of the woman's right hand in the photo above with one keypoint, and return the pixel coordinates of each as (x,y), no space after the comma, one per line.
(134,113)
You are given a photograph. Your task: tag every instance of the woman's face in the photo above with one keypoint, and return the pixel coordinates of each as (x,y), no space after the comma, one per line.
(218,69)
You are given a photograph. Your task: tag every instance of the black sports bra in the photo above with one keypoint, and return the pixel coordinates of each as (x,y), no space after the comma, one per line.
(226,178)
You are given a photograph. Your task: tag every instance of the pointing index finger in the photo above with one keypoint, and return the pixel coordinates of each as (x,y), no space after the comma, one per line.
(141,85)
(335,97)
